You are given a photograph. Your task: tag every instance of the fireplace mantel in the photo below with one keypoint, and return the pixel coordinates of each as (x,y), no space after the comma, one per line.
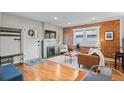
(47,43)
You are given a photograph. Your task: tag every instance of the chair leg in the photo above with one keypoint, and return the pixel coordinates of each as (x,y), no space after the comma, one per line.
(71,59)
(123,63)
(65,58)
(115,62)
(79,65)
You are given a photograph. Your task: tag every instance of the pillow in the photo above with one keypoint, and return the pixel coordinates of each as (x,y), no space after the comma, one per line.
(90,50)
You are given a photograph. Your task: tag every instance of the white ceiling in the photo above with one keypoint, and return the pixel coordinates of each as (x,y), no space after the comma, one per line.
(66,19)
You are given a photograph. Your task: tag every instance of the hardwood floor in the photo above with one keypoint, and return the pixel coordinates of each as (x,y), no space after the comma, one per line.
(54,71)
(50,71)
(115,75)
(118,67)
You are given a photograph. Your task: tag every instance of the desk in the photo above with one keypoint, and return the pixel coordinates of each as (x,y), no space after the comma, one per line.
(119,55)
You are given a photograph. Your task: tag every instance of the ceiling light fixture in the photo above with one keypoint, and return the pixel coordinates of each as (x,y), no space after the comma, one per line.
(69,23)
(56,18)
(93,18)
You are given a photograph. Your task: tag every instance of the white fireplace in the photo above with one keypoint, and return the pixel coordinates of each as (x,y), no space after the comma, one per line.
(46,44)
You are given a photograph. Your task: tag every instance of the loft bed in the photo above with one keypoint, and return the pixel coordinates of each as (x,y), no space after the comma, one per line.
(10,46)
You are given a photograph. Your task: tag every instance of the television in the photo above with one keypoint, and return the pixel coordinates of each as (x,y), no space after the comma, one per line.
(50,34)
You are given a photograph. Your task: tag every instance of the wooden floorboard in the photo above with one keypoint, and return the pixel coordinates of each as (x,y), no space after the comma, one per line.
(115,75)
(50,71)
(118,67)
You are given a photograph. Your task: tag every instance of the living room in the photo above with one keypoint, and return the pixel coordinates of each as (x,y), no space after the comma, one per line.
(61,45)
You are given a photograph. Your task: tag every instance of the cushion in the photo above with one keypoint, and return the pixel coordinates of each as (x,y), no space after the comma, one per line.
(90,50)
(93,77)
(10,73)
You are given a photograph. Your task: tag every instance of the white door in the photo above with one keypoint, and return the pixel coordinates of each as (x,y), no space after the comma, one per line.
(30,44)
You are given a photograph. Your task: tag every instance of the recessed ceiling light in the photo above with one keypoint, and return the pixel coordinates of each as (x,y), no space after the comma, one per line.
(93,18)
(69,23)
(56,18)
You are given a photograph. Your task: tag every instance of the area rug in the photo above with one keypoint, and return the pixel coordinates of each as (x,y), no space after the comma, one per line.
(61,59)
(34,61)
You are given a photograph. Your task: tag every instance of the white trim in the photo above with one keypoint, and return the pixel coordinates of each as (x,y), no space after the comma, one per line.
(121,31)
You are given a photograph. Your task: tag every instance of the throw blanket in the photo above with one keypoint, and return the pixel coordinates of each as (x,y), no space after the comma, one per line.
(99,53)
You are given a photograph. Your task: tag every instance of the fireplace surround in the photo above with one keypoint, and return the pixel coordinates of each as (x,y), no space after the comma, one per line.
(50,51)
(49,48)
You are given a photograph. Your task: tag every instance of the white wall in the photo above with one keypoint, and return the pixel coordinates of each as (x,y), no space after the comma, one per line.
(59,31)
(21,23)
(0,37)
(0,18)
(18,22)
(12,21)
(59,37)
(121,30)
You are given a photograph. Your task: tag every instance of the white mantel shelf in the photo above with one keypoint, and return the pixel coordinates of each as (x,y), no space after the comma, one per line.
(48,43)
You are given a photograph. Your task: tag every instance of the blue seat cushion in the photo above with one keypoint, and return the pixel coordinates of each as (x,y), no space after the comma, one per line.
(10,73)
(93,77)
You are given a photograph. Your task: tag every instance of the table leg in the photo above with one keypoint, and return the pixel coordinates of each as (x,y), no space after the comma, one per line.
(65,58)
(71,59)
(123,63)
(12,60)
(0,61)
(115,62)
(79,65)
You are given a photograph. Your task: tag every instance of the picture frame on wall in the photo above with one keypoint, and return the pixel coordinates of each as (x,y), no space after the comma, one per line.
(50,34)
(109,36)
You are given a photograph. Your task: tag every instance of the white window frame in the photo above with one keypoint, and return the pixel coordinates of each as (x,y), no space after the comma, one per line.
(85,29)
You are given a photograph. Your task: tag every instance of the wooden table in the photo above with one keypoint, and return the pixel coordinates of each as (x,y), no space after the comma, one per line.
(119,55)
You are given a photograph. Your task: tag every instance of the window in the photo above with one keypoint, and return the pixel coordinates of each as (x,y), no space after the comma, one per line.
(79,35)
(86,36)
